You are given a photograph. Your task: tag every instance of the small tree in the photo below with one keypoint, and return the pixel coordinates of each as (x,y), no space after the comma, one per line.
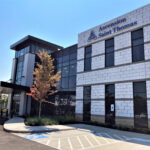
(45,80)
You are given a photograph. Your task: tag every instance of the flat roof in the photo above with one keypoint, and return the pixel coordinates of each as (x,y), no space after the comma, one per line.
(30,38)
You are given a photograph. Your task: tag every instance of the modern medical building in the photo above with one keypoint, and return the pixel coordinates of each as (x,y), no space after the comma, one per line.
(26,58)
(105,77)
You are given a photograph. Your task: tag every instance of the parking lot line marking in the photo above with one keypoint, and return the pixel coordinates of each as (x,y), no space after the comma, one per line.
(119,137)
(88,140)
(96,140)
(71,148)
(48,142)
(78,138)
(109,136)
(58,147)
(99,134)
(86,148)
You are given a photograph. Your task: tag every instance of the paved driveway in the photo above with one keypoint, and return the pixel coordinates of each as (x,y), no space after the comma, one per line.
(92,138)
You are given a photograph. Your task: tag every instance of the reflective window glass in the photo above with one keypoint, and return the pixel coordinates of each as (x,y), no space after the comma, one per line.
(65,71)
(65,83)
(139,90)
(109,52)
(109,59)
(87,92)
(72,81)
(73,56)
(110,91)
(137,34)
(72,70)
(65,58)
(137,45)
(87,60)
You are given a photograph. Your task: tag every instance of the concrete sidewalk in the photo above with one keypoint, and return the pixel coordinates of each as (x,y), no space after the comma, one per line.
(17,125)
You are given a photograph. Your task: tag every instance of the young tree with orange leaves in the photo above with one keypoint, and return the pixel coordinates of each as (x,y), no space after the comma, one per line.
(45,80)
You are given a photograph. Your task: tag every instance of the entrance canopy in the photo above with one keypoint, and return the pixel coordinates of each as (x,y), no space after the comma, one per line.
(7,88)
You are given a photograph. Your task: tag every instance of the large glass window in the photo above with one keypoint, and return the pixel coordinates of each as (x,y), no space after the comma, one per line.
(86,103)
(137,45)
(19,70)
(87,59)
(65,71)
(110,91)
(65,83)
(72,82)
(22,52)
(140,105)
(109,52)
(72,70)
(87,92)
(73,56)
(66,62)
(139,90)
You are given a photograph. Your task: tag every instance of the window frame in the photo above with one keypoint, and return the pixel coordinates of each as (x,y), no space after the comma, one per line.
(87,58)
(110,52)
(141,51)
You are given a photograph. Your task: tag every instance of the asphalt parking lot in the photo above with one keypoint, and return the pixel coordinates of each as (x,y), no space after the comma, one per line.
(86,137)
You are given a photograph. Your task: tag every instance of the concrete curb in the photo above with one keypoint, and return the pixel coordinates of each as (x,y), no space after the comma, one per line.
(36,131)
(17,125)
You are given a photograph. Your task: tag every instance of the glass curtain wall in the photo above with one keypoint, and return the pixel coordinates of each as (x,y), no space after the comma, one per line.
(66,63)
(19,55)
(35,48)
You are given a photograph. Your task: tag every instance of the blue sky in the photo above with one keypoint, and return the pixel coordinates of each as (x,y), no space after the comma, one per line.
(57,21)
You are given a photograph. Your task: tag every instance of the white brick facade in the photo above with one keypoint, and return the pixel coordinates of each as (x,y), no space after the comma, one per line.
(140,15)
(98,92)
(98,62)
(147,51)
(79,109)
(80,66)
(123,56)
(148,89)
(147,34)
(123,41)
(124,90)
(124,72)
(80,53)
(79,93)
(124,108)
(148,109)
(97,107)
(98,48)
(115,74)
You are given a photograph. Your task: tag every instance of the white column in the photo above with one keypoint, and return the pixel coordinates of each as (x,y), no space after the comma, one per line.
(9,103)
(28,69)
(13,71)
(22,103)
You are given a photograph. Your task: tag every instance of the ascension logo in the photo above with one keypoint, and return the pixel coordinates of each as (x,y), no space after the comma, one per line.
(92,36)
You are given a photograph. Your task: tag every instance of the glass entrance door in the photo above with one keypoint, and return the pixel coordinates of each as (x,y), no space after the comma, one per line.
(110,104)
(16,105)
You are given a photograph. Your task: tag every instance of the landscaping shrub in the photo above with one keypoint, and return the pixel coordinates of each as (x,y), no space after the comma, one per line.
(35,121)
(53,120)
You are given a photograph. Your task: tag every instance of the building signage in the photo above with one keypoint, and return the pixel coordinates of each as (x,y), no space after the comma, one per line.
(111,28)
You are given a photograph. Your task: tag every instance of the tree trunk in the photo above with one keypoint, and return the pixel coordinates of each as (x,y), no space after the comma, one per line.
(40,109)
